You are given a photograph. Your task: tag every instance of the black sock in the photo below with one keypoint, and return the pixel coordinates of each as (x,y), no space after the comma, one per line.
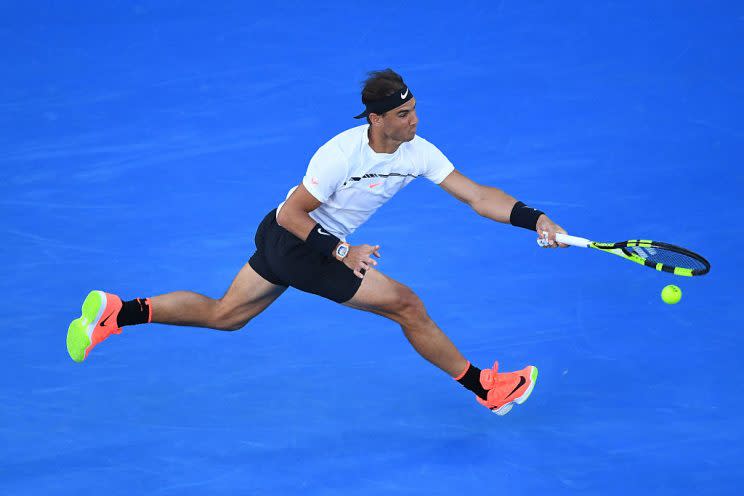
(133,312)
(471,380)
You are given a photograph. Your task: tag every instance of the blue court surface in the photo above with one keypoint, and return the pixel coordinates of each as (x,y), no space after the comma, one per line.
(143,142)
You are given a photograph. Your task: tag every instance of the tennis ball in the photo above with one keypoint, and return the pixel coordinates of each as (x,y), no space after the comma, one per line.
(671,294)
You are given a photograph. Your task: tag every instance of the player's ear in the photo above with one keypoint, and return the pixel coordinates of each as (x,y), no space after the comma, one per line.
(375,120)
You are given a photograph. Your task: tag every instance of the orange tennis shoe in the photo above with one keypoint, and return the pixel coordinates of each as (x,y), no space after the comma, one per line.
(97,322)
(506,389)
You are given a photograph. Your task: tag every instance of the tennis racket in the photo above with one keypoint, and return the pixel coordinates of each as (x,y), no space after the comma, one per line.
(654,254)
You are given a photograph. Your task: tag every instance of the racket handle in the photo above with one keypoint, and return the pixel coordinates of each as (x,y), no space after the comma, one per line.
(566,240)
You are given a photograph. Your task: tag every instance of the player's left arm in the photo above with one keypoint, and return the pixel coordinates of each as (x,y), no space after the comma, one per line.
(493,203)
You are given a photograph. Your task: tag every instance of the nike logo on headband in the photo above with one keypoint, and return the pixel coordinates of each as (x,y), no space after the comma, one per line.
(404,95)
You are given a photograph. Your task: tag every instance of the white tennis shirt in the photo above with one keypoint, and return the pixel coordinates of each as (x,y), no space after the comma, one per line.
(352,181)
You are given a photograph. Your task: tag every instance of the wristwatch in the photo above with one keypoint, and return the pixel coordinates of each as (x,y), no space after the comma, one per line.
(341,251)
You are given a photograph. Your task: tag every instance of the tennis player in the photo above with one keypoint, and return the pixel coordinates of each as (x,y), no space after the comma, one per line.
(303,243)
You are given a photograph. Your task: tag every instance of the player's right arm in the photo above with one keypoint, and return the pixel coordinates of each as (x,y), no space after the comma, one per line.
(326,173)
(294,216)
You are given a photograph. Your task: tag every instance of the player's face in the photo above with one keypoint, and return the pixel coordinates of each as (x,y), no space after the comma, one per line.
(400,123)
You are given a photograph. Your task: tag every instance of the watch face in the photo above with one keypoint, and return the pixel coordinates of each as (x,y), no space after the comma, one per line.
(342,251)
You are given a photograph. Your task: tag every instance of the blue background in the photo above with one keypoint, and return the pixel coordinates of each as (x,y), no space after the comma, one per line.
(143,142)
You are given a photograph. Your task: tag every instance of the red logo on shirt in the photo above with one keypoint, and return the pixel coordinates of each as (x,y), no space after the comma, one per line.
(314,180)
(375,184)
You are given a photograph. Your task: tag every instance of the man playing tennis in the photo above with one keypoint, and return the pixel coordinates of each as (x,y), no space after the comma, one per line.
(302,243)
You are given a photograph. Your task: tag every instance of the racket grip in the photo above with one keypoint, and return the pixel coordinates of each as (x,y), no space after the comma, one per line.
(566,240)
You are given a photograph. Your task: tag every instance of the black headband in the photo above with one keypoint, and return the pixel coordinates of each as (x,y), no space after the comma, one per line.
(388,103)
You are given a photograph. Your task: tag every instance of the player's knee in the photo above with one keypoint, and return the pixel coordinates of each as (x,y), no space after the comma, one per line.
(228,319)
(410,307)
(230,325)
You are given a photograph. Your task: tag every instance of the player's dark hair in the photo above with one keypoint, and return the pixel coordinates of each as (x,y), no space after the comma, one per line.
(380,84)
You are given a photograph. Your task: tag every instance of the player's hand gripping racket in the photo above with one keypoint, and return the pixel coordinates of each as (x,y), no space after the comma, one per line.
(654,254)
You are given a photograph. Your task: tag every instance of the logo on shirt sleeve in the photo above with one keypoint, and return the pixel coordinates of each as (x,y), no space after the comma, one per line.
(314,180)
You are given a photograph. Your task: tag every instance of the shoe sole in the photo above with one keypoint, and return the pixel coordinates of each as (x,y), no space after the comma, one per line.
(81,329)
(504,409)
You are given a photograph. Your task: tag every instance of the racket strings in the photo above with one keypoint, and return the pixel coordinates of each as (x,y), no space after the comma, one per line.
(668,257)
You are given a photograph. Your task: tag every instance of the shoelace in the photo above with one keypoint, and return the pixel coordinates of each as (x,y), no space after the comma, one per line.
(490,379)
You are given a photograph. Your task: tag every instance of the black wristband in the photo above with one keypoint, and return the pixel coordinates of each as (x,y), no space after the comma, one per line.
(322,241)
(524,216)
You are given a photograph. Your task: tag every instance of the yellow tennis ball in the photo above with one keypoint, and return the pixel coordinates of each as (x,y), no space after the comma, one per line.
(671,294)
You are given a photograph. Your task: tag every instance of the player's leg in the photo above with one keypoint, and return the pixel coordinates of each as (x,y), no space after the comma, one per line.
(254,288)
(499,391)
(385,296)
(248,295)
(314,273)
(104,314)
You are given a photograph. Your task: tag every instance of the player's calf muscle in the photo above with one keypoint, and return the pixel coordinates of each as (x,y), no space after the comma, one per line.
(193,309)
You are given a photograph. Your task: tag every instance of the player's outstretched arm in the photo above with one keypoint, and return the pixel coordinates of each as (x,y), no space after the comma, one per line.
(498,205)
(487,201)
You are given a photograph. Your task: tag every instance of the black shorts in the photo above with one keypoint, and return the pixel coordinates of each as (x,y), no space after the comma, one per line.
(285,260)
